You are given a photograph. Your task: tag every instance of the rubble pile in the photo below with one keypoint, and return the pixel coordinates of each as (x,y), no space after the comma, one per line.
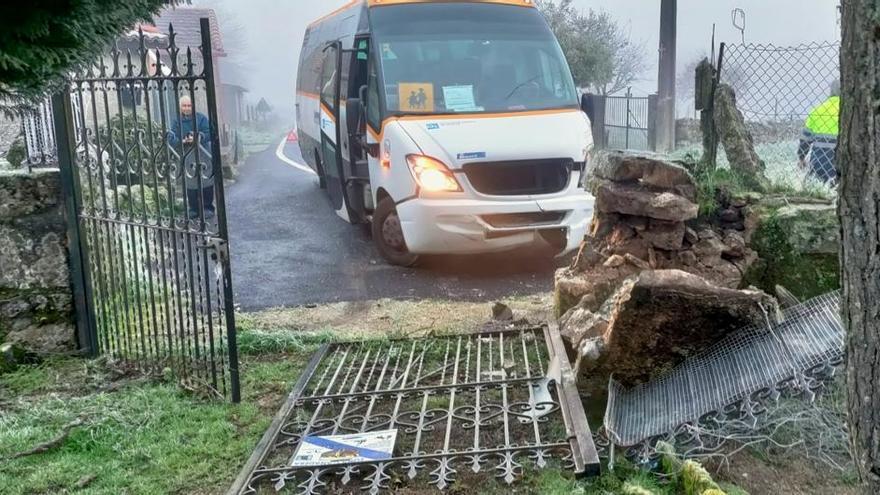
(650,285)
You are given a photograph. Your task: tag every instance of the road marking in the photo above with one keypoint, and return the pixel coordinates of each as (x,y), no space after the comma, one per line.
(279,152)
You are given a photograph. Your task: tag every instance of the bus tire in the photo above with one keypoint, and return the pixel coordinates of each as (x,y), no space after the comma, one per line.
(322,179)
(388,235)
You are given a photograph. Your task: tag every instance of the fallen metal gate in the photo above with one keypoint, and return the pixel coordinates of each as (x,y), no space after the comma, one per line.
(480,402)
(144,191)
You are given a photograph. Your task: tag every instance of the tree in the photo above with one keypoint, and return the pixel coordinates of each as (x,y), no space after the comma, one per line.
(859,209)
(601,53)
(263,109)
(41,40)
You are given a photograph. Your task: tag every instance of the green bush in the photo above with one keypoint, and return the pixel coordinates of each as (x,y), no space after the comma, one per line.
(17,153)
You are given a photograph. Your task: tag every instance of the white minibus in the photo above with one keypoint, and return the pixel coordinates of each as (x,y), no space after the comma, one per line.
(452,127)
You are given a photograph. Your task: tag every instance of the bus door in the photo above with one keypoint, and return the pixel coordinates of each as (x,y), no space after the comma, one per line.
(331,159)
(357,170)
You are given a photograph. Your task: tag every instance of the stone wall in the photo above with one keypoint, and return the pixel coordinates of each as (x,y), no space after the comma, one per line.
(36,302)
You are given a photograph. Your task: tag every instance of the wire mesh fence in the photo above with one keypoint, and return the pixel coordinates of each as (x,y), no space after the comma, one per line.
(789,98)
(733,381)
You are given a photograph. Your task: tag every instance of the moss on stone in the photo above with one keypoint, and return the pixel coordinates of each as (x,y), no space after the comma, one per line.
(805,275)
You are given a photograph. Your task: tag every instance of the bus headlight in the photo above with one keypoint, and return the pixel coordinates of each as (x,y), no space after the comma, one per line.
(431,174)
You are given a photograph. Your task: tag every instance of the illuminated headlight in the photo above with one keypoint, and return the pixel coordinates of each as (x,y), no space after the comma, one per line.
(431,174)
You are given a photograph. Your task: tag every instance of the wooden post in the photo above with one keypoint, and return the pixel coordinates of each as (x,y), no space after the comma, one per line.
(705,104)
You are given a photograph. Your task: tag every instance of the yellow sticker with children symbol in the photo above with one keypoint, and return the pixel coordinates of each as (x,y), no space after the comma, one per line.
(416,97)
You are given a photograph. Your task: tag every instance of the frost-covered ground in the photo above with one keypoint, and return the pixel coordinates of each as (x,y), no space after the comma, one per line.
(781,161)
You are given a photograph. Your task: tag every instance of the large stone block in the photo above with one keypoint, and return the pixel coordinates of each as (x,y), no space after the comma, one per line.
(811,228)
(613,197)
(655,320)
(32,258)
(649,170)
(23,193)
(38,321)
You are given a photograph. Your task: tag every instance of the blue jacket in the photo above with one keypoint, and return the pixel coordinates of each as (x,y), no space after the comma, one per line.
(187,125)
(197,126)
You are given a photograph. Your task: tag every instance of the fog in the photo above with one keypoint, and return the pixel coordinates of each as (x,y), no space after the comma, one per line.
(264,36)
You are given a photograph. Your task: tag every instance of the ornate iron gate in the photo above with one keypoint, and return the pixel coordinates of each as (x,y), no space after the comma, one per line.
(461,406)
(139,150)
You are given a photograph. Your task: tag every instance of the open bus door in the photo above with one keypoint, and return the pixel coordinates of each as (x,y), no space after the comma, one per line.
(331,157)
(355,148)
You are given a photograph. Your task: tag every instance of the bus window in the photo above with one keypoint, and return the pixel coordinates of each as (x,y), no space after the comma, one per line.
(454,57)
(374,115)
(328,79)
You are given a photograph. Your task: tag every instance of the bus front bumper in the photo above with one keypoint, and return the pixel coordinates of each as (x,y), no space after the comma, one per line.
(470,226)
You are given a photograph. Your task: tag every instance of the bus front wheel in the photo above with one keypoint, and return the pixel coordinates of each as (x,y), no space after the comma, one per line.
(388,235)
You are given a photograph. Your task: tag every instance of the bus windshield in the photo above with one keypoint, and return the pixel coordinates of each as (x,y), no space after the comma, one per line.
(469,58)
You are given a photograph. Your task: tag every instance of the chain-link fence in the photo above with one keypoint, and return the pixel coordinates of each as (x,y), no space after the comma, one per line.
(789,97)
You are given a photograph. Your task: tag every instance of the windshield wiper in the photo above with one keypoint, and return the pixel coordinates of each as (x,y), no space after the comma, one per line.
(521,85)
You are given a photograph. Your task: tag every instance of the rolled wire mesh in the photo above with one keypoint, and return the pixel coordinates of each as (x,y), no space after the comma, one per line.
(757,361)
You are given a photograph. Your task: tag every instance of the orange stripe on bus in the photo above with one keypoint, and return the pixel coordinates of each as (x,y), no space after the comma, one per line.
(466,116)
(328,112)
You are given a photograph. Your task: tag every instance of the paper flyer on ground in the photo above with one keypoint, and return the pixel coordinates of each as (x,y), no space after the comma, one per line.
(341,449)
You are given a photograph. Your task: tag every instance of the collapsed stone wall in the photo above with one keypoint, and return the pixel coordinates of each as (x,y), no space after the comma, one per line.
(36,302)
(645,220)
(653,283)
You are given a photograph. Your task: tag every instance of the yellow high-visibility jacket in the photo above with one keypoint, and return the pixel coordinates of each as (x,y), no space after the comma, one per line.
(821,128)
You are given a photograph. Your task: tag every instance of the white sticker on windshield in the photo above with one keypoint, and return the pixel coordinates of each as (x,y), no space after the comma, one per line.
(460,98)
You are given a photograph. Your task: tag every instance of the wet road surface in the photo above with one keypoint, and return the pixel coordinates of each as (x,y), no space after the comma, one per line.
(289,249)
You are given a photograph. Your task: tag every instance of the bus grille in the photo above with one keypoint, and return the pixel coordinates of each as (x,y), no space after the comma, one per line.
(520,178)
(515,220)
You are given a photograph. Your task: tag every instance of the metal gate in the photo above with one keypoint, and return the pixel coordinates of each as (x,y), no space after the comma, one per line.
(139,150)
(629,122)
(464,406)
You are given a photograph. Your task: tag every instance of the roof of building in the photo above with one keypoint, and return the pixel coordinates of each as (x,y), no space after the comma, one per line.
(232,74)
(186,22)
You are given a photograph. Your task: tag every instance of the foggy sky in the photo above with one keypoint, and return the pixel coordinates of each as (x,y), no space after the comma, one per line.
(271,32)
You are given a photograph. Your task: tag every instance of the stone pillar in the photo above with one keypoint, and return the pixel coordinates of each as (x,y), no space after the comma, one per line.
(36,302)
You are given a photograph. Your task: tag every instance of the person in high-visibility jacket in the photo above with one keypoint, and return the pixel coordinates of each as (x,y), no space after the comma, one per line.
(818,148)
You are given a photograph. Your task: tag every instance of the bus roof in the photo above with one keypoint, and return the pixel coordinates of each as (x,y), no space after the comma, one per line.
(381,3)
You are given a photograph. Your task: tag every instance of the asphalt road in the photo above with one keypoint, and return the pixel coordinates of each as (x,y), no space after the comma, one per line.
(289,249)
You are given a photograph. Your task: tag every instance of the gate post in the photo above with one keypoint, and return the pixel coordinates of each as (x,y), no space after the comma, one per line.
(65,139)
(653,101)
(222,252)
(594,107)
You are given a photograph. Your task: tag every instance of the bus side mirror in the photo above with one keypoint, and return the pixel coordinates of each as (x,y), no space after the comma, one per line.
(587,105)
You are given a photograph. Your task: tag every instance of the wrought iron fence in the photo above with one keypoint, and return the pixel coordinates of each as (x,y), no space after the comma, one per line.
(138,147)
(780,89)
